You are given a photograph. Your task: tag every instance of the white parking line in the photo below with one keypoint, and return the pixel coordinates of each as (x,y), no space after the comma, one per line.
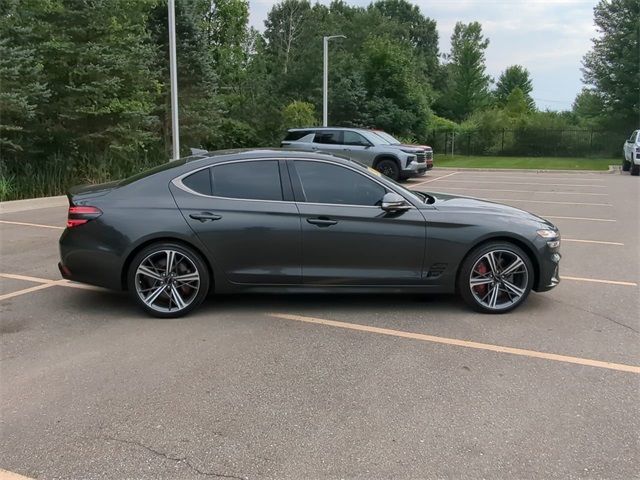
(32,224)
(541,176)
(548,201)
(526,183)
(525,191)
(600,242)
(587,219)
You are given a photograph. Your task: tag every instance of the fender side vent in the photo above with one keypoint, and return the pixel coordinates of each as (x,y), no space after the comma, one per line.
(436,270)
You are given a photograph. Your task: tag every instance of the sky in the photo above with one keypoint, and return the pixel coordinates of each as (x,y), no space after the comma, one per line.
(548,37)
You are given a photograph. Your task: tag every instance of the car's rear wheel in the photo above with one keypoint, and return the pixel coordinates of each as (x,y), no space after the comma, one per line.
(495,277)
(389,168)
(168,280)
(626,166)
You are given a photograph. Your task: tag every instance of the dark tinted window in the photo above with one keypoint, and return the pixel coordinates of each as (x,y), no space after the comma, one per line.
(327,183)
(296,135)
(251,180)
(199,182)
(354,138)
(330,137)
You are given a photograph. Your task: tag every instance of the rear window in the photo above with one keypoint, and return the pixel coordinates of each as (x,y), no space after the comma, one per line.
(296,135)
(258,180)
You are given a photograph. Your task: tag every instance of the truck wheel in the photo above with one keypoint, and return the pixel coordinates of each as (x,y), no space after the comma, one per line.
(635,170)
(626,166)
(389,168)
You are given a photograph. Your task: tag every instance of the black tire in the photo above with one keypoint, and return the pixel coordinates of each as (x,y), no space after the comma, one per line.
(626,166)
(191,292)
(523,281)
(389,168)
(635,170)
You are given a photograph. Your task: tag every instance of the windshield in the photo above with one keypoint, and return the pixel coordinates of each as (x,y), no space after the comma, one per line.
(389,138)
(374,138)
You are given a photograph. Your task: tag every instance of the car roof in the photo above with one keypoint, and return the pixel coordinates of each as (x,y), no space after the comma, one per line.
(263,154)
(357,129)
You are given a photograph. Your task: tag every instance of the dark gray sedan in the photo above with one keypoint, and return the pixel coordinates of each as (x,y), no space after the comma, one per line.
(277,220)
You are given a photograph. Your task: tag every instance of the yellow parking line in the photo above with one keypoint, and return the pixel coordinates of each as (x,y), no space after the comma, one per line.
(431,180)
(600,242)
(547,201)
(588,219)
(526,191)
(462,343)
(7,475)
(525,183)
(542,177)
(598,280)
(42,286)
(32,225)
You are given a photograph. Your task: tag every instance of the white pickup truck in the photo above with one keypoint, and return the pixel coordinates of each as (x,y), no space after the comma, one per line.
(631,152)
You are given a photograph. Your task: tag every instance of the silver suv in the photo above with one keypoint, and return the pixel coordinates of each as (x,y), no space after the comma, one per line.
(395,161)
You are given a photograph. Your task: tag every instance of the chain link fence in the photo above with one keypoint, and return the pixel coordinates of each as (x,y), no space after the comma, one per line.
(529,142)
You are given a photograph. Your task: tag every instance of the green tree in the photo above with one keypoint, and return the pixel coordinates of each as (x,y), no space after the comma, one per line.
(468,84)
(516,105)
(23,89)
(514,77)
(612,66)
(299,114)
(588,107)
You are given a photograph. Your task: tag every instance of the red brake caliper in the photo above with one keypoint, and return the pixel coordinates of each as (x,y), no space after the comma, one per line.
(481,289)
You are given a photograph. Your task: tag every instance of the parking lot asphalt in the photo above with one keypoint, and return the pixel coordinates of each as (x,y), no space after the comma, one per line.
(334,386)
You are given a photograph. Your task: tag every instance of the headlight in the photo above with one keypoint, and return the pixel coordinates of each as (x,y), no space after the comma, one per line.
(545,233)
(551,236)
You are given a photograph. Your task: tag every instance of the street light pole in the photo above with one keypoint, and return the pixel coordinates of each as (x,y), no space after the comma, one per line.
(173,74)
(325,78)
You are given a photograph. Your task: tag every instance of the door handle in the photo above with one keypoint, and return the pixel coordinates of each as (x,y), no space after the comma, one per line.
(322,221)
(205,216)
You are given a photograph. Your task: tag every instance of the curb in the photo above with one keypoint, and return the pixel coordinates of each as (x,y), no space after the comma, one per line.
(612,169)
(33,204)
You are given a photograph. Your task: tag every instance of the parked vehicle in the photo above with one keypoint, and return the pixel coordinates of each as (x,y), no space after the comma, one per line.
(361,145)
(277,220)
(395,142)
(631,152)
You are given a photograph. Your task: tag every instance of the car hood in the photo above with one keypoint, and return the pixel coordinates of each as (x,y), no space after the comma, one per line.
(419,147)
(445,201)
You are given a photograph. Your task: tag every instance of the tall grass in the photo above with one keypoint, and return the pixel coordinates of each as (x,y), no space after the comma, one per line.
(56,174)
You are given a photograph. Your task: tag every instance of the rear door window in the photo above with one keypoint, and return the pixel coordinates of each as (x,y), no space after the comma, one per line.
(259,180)
(328,137)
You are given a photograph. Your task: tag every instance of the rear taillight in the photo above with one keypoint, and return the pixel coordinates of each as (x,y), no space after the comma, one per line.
(79,215)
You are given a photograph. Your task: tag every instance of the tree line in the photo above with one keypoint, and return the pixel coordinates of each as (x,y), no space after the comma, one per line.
(84,84)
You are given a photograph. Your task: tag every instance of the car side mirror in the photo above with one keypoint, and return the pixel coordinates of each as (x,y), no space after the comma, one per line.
(392,202)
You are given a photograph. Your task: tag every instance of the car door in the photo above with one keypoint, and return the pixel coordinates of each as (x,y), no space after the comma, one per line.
(328,141)
(246,217)
(357,147)
(347,239)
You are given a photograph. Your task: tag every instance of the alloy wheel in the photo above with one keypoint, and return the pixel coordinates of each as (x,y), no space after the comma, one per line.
(167,281)
(499,279)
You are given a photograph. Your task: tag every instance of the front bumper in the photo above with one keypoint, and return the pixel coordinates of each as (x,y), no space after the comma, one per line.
(549,274)
(415,168)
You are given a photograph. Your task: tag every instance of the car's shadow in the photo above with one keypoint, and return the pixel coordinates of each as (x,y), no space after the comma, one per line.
(119,304)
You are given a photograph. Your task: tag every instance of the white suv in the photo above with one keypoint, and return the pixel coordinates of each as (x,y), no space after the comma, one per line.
(631,152)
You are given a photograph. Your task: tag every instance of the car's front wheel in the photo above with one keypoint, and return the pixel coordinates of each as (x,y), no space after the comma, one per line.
(168,279)
(495,277)
(635,170)
(389,168)
(626,165)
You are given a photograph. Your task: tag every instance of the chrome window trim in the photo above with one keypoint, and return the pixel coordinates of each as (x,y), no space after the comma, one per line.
(177,181)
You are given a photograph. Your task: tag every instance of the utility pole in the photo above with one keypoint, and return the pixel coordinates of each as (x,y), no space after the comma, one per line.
(173,74)
(325,78)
